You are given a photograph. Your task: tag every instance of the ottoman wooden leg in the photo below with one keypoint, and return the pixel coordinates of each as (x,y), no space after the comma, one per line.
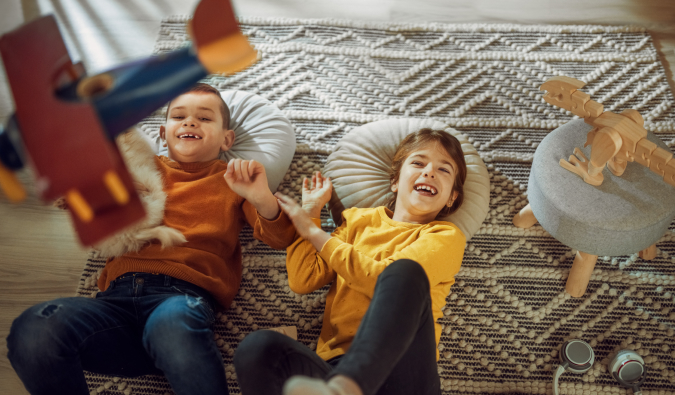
(648,253)
(580,274)
(525,218)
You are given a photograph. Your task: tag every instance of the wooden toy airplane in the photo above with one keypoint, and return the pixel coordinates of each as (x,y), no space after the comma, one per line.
(615,139)
(65,122)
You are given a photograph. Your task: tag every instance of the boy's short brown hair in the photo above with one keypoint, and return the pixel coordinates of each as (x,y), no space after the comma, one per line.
(206,88)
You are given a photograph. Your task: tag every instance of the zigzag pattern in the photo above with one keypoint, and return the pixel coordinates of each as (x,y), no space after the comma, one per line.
(508,313)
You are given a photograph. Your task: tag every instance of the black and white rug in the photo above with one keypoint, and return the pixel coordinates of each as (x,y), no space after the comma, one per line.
(508,313)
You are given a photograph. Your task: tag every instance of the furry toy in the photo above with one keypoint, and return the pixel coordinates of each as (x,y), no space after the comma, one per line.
(140,160)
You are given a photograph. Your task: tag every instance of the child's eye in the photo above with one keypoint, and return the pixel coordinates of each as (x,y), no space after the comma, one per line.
(445,170)
(205,119)
(177,117)
(417,163)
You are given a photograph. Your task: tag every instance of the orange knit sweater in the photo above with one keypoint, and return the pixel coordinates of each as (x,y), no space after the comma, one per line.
(201,205)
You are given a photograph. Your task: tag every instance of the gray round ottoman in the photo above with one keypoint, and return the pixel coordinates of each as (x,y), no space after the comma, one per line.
(622,216)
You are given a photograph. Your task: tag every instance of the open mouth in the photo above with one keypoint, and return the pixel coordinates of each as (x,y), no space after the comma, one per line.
(189,136)
(424,189)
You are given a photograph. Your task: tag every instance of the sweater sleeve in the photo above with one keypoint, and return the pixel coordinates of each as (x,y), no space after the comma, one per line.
(277,233)
(439,251)
(307,271)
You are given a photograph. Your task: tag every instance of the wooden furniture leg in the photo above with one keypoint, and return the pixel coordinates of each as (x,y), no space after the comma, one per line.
(580,274)
(648,253)
(525,218)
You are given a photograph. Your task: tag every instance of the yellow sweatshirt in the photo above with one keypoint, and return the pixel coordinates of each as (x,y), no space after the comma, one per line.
(210,215)
(358,251)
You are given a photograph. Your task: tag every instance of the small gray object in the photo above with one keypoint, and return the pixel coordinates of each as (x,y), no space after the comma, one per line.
(577,356)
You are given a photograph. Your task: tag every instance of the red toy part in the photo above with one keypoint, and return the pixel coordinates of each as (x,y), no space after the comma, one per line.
(205,29)
(65,141)
(221,46)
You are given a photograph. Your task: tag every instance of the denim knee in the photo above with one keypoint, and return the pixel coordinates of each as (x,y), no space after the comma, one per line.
(408,272)
(177,325)
(35,331)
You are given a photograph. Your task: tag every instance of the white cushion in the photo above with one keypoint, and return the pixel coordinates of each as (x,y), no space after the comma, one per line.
(262,133)
(359,168)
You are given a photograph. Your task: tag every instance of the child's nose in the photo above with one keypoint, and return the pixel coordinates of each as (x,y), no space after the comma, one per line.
(429,171)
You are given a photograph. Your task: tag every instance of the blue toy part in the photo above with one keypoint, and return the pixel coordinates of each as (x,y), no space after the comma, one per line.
(123,96)
(11,146)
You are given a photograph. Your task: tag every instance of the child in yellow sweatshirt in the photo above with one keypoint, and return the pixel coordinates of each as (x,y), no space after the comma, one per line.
(390,272)
(157,306)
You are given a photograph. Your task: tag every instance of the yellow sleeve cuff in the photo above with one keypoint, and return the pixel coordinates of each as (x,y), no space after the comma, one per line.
(329,247)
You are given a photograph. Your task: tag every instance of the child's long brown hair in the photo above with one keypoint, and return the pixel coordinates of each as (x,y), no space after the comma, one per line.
(415,141)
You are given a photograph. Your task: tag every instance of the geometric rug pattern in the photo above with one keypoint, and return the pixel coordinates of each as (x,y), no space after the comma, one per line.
(508,312)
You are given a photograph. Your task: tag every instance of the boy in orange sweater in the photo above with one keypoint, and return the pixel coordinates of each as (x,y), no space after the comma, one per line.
(157,306)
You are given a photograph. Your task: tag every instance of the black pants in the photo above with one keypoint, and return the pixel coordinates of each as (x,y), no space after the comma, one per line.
(393,352)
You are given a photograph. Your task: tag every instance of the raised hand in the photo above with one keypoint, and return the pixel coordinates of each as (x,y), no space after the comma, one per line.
(316,194)
(247,178)
(302,221)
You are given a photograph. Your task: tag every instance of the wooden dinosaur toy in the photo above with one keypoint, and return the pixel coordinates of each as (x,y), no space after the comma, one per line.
(615,139)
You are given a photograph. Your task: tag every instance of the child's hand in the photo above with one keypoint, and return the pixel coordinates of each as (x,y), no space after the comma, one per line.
(247,178)
(302,221)
(300,218)
(316,195)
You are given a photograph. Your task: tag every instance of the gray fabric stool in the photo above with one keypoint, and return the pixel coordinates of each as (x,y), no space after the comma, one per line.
(622,216)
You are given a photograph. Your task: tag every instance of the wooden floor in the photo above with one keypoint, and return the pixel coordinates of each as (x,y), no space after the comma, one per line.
(39,255)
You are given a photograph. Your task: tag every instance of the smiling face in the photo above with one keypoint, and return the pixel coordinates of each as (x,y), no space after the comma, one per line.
(425,184)
(194,129)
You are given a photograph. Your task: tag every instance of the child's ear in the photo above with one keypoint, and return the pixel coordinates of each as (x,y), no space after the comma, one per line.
(453,198)
(162,135)
(394,187)
(228,142)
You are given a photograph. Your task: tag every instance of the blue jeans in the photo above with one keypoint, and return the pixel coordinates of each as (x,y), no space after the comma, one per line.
(393,352)
(142,324)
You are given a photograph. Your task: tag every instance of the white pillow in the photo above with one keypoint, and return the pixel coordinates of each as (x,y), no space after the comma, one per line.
(262,133)
(359,168)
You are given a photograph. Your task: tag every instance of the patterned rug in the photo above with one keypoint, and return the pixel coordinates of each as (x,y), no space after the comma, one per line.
(508,313)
